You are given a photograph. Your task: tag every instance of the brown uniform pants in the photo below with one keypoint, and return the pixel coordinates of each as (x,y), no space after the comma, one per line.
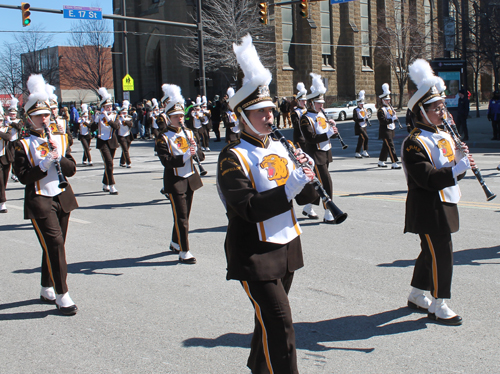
(107,157)
(181,209)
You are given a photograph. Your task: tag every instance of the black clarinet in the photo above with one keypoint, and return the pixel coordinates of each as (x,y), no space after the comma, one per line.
(203,172)
(338,215)
(458,143)
(63,182)
(344,146)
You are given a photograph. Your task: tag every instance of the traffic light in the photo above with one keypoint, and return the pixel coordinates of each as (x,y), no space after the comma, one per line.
(25,9)
(304,8)
(263,13)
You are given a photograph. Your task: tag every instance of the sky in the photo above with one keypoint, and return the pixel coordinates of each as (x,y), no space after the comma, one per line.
(11,19)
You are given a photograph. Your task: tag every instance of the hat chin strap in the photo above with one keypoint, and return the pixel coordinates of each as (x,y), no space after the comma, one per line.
(424,113)
(247,121)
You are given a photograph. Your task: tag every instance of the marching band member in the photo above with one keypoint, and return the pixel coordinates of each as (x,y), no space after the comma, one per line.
(47,205)
(5,158)
(195,123)
(432,167)
(298,137)
(257,181)
(386,117)
(58,124)
(176,148)
(84,135)
(360,121)
(155,111)
(16,126)
(232,129)
(317,131)
(107,141)
(124,134)
(206,125)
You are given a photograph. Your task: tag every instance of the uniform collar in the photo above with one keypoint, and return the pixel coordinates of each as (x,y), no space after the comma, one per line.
(256,141)
(174,129)
(426,127)
(40,134)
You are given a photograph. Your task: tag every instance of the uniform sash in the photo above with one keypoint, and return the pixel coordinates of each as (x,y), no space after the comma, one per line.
(37,149)
(178,145)
(390,114)
(268,168)
(105,131)
(320,126)
(440,150)
(361,114)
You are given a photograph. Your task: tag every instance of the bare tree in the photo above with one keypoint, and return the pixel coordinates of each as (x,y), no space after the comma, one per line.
(88,65)
(400,41)
(225,22)
(36,56)
(10,74)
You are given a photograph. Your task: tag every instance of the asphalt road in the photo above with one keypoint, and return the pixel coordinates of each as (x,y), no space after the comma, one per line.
(140,311)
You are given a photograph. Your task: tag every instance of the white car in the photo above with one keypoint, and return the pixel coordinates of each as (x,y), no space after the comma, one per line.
(343,111)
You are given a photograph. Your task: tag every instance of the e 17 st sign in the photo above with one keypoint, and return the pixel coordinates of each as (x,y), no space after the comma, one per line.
(81,12)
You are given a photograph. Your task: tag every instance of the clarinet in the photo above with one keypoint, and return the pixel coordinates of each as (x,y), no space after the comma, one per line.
(458,143)
(203,172)
(63,182)
(344,146)
(338,215)
(397,119)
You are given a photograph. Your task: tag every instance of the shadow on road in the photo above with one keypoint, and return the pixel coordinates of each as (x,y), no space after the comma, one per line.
(25,315)
(92,267)
(464,257)
(312,336)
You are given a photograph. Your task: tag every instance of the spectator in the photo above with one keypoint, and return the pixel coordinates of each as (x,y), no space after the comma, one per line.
(463,113)
(285,112)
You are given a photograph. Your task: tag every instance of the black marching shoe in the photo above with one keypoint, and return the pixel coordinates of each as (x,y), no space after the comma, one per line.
(309,215)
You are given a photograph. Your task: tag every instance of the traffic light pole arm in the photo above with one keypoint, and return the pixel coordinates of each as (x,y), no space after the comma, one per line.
(291,2)
(108,16)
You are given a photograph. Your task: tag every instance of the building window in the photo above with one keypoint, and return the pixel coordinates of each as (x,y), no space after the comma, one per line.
(326,34)
(287,29)
(365,33)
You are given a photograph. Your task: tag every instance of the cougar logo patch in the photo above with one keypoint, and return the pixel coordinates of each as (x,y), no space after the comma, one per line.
(321,122)
(53,127)
(445,147)
(276,168)
(43,149)
(181,143)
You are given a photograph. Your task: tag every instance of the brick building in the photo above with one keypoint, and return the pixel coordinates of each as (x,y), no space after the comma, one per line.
(342,42)
(56,63)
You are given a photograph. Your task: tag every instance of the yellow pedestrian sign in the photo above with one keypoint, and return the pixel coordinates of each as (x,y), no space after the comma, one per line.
(128,83)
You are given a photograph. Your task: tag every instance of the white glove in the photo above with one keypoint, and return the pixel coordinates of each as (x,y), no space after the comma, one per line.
(310,161)
(187,155)
(331,131)
(462,166)
(46,162)
(295,183)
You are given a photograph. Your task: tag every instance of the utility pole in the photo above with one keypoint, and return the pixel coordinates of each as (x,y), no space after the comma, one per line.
(125,36)
(465,33)
(201,53)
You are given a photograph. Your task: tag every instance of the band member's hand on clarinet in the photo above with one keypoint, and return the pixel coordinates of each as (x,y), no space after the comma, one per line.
(297,180)
(332,131)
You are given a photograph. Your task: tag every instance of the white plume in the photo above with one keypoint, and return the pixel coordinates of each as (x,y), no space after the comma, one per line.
(198,101)
(317,84)
(361,95)
(421,73)
(103,92)
(230,92)
(165,89)
(248,59)
(203,100)
(125,104)
(85,108)
(155,102)
(174,93)
(36,86)
(1,111)
(13,102)
(440,85)
(302,89)
(385,89)
(50,91)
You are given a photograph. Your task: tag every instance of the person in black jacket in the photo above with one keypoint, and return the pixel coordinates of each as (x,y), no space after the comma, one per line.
(258,181)
(432,167)
(176,149)
(5,158)
(462,114)
(45,204)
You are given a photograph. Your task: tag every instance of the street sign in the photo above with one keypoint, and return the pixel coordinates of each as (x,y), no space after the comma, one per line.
(339,1)
(81,12)
(128,83)
(126,96)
